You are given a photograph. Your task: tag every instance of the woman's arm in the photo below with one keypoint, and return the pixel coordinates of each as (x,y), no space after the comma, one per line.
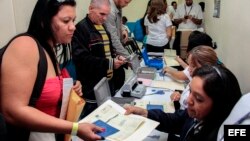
(169,32)
(169,122)
(181,62)
(179,75)
(17,81)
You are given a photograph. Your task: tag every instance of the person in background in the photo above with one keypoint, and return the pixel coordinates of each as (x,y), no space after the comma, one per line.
(188,16)
(93,53)
(174,4)
(172,9)
(51,24)
(119,35)
(124,20)
(195,39)
(124,24)
(158,27)
(214,90)
(198,57)
(140,28)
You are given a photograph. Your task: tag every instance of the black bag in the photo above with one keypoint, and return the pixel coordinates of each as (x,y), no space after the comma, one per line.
(15,133)
(3,129)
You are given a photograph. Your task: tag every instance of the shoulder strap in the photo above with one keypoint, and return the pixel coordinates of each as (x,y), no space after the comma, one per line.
(41,70)
(41,75)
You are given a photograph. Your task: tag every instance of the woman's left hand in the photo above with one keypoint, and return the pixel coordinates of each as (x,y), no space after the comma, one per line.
(78,88)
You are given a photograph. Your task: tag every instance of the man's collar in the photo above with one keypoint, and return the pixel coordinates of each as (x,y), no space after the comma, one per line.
(112,3)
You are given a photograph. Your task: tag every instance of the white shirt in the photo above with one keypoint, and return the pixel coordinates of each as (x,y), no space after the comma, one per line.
(193,10)
(157,33)
(187,73)
(170,10)
(184,97)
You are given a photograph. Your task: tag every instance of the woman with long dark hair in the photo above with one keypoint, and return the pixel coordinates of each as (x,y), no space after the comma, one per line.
(214,90)
(51,25)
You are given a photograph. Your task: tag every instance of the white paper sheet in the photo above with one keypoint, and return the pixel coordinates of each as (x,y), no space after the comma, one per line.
(168,85)
(67,85)
(141,128)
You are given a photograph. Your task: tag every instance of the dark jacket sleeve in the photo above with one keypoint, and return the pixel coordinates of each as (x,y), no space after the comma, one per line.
(89,58)
(169,122)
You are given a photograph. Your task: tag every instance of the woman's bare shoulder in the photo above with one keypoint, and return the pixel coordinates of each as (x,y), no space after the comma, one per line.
(23,46)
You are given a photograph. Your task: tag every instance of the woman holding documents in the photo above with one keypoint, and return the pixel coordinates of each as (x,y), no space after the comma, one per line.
(214,90)
(31,109)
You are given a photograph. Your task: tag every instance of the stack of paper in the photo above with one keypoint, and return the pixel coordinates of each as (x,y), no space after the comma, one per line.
(169,57)
(170,61)
(173,85)
(170,52)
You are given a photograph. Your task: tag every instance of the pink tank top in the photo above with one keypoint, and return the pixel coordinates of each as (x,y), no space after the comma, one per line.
(50,100)
(51,95)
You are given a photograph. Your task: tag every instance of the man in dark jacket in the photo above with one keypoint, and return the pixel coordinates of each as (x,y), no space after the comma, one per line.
(93,53)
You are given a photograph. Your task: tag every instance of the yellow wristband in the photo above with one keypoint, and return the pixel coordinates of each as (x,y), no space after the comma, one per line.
(74,129)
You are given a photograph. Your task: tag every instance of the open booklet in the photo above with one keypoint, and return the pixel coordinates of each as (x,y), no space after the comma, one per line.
(120,127)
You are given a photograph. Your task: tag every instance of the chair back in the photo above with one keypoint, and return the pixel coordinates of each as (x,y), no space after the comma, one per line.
(138,31)
(240,115)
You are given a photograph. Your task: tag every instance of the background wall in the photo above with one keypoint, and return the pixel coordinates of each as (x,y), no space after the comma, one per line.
(231,31)
(15,16)
(7,22)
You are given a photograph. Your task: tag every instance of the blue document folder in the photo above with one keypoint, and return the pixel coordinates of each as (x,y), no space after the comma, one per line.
(152,106)
(109,130)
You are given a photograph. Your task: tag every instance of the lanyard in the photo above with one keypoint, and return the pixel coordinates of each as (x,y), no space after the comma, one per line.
(195,128)
(189,10)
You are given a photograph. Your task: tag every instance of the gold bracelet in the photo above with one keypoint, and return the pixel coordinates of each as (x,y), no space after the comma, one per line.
(74,129)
